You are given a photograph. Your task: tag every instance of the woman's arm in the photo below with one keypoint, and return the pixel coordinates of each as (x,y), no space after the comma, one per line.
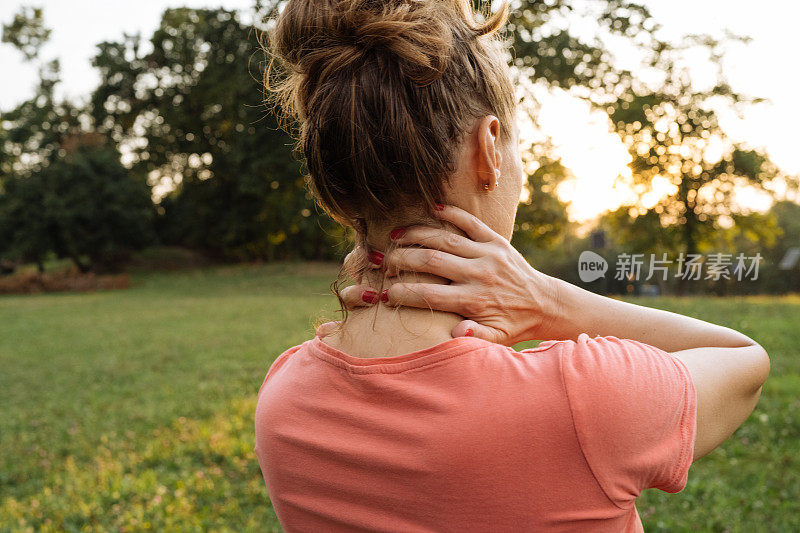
(727,367)
(577,311)
(507,301)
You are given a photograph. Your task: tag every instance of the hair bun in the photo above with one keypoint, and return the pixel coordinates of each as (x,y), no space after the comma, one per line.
(382,93)
(410,30)
(326,36)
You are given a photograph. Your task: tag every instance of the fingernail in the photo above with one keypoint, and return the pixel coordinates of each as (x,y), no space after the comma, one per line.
(468,333)
(370,297)
(397,233)
(385,295)
(439,207)
(375,257)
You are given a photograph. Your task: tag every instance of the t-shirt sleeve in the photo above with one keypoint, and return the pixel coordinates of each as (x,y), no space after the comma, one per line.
(279,361)
(634,408)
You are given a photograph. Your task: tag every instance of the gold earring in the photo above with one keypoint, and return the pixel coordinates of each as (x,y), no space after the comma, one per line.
(485,186)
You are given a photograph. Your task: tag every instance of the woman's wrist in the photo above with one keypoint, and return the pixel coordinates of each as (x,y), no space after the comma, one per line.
(571,311)
(546,306)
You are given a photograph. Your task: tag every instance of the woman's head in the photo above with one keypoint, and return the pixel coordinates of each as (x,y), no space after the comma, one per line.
(401,104)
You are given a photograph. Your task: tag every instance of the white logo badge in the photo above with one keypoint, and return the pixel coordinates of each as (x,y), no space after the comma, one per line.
(591,266)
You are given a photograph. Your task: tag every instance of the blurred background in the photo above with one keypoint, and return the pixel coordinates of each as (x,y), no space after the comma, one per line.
(658,128)
(136,153)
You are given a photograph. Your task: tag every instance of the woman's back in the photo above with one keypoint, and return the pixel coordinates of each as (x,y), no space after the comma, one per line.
(405,106)
(470,435)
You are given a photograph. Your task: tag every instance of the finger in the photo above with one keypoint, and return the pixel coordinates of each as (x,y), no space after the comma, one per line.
(467,222)
(323,330)
(435,262)
(470,328)
(426,296)
(358,296)
(439,239)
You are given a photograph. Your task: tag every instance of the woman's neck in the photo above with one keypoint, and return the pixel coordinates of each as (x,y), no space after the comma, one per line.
(383,331)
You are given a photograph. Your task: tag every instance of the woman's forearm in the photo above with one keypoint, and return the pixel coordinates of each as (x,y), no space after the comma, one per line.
(579,311)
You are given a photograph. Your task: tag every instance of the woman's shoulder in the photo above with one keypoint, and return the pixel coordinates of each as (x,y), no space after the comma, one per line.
(280,361)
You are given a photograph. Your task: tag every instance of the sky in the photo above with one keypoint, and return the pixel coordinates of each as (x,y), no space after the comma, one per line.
(766,67)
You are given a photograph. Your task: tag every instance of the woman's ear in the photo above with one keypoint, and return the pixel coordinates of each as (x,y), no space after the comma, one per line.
(486,156)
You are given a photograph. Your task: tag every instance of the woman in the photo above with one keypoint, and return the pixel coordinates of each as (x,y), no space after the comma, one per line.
(406,416)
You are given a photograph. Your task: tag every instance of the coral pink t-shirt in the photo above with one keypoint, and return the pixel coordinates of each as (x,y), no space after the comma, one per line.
(472,436)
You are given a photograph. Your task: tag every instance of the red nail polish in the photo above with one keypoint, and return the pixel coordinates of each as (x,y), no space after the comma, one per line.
(385,295)
(370,297)
(375,257)
(468,333)
(397,233)
(439,207)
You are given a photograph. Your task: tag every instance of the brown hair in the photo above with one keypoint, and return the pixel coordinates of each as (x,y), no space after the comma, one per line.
(383,92)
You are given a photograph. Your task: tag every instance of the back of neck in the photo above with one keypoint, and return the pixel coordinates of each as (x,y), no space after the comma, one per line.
(383,331)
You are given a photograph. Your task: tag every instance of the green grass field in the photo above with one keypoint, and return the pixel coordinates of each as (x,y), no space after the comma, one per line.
(132,410)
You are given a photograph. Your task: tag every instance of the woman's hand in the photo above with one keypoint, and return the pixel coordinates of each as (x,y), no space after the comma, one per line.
(503,298)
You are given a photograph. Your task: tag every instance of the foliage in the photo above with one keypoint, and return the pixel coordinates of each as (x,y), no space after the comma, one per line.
(549,53)
(64,192)
(670,126)
(83,206)
(766,235)
(32,133)
(550,48)
(785,216)
(189,118)
(673,133)
(24,229)
(191,113)
(101,431)
(26,32)
(542,218)
(676,141)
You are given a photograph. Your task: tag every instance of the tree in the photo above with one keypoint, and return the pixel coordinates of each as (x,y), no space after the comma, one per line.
(31,132)
(63,190)
(99,210)
(553,49)
(775,277)
(27,32)
(84,206)
(542,220)
(673,133)
(674,138)
(25,231)
(669,125)
(549,54)
(184,110)
(191,113)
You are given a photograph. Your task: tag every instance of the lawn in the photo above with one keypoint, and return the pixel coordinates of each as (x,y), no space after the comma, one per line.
(131,410)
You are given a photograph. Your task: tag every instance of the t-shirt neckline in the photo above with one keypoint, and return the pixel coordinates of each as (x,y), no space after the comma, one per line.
(397,363)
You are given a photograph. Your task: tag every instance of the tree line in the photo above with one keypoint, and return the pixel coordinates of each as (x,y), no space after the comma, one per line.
(175,145)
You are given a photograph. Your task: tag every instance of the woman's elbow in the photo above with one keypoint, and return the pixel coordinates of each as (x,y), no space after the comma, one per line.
(761,368)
